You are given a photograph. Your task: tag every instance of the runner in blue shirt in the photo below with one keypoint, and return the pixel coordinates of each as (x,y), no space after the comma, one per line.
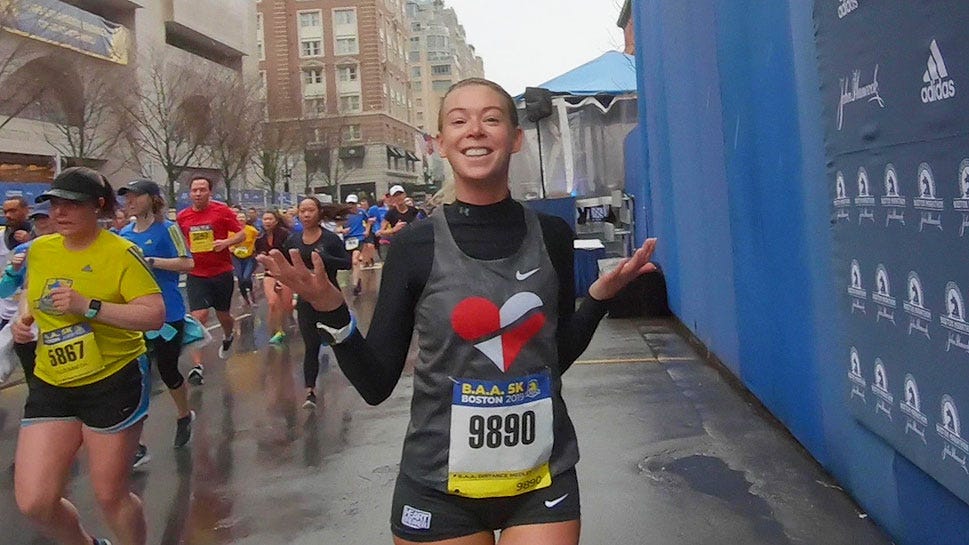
(357,232)
(163,245)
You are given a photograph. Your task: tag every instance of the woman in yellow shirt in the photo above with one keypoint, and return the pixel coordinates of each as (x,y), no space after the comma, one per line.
(90,294)
(243,257)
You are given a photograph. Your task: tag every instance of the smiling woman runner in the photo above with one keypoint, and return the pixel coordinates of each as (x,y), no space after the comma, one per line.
(488,286)
(91,295)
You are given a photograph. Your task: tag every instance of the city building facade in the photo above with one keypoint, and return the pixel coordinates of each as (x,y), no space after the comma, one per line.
(438,55)
(335,74)
(54,52)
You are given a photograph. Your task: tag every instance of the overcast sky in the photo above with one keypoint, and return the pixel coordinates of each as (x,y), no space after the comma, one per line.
(528,42)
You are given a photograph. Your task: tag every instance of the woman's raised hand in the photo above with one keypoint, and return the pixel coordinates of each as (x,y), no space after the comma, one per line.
(609,284)
(313,286)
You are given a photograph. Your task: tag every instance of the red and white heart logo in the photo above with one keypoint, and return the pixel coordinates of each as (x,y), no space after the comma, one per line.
(480,321)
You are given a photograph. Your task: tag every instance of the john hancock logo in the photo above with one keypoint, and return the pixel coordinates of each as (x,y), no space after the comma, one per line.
(882,296)
(853,90)
(893,201)
(911,407)
(885,400)
(955,446)
(919,317)
(856,291)
(954,318)
(858,382)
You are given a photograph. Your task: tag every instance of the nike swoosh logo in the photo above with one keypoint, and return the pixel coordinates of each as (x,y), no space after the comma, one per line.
(556,501)
(521,276)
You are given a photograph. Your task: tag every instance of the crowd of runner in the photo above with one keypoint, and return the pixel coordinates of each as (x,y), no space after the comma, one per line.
(92,306)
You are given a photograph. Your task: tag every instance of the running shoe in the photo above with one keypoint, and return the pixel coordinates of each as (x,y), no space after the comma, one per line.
(310,402)
(141,457)
(101,541)
(183,430)
(226,345)
(195,376)
(278,337)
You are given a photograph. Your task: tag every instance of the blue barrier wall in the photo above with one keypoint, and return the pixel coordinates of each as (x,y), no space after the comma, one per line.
(732,180)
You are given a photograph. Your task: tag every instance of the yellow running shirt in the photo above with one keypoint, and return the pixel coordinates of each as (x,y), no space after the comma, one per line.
(72,350)
(248,246)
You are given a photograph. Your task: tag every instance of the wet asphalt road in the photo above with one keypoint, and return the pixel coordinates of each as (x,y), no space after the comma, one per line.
(671,453)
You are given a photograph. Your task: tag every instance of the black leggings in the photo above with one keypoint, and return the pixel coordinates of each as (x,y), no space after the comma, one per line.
(166,355)
(312,339)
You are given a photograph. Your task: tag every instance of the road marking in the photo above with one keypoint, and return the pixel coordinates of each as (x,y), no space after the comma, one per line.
(635,360)
(239,317)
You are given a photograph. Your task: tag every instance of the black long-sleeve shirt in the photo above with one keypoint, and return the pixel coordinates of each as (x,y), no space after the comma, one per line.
(328,245)
(374,364)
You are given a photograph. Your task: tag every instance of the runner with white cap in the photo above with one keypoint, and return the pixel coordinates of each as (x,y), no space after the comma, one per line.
(357,232)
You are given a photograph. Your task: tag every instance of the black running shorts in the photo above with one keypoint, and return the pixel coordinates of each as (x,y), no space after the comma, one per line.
(110,405)
(423,514)
(214,292)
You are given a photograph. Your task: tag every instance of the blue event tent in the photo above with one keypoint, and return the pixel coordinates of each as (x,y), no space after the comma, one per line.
(581,151)
(612,73)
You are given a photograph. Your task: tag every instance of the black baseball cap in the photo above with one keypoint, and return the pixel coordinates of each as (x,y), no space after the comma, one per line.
(76,184)
(42,209)
(141,187)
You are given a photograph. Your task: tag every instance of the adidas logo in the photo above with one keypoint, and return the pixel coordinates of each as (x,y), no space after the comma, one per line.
(846,7)
(938,84)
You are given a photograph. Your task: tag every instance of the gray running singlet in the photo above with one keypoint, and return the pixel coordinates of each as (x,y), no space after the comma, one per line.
(487,415)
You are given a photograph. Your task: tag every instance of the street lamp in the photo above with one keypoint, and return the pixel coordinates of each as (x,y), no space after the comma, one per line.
(287,176)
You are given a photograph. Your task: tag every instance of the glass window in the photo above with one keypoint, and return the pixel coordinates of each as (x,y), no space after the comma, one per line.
(440,86)
(350,103)
(415,43)
(308,19)
(415,71)
(312,76)
(347,45)
(437,43)
(415,26)
(351,133)
(310,48)
(347,72)
(441,70)
(344,17)
(414,56)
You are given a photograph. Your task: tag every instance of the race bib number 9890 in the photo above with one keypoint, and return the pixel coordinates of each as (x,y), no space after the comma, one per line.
(501,436)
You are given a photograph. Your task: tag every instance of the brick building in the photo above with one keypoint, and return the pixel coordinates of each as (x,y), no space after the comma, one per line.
(335,74)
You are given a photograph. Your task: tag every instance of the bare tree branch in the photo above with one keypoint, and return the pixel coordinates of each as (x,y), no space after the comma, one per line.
(169,117)
(236,117)
(94,122)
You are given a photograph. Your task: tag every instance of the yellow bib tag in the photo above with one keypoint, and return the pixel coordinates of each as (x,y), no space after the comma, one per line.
(201,239)
(70,353)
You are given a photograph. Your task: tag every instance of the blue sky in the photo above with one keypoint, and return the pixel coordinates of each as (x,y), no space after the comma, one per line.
(527,42)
